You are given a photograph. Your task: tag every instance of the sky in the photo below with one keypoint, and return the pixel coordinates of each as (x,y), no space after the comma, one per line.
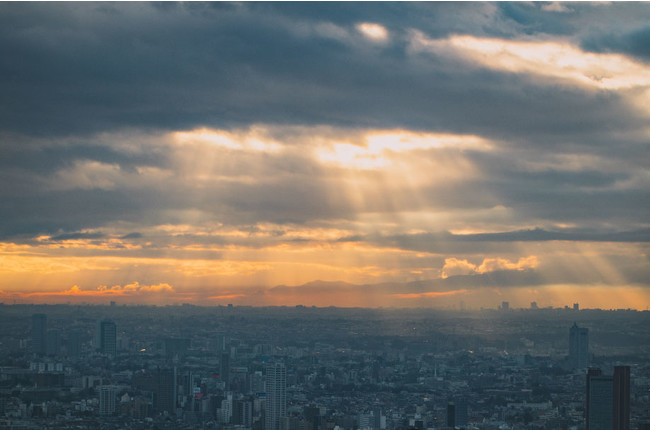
(439,155)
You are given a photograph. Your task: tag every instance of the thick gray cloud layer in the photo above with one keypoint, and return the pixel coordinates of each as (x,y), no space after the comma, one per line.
(70,72)
(75,68)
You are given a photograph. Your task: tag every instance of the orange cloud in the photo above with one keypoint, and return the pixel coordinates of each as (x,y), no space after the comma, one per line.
(227,296)
(129,290)
(429,294)
(455,266)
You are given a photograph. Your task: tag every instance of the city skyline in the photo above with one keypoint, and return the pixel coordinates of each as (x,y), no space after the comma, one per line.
(444,155)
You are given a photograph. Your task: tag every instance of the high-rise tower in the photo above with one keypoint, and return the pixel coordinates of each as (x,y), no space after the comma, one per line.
(275,383)
(621,398)
(599,401)
(106,337)
(39,332)
(578,346)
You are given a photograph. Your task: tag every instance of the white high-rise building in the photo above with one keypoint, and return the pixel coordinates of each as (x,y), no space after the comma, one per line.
(275,384)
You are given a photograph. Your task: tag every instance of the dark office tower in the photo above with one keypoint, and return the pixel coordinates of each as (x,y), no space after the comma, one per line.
(599,401)
(451,415)
(621,398)
(39,332)
(161,383)
(224,368)
(461,412)
(276,395)
(106,337)
(53,342)
(578,346)
(73,343)
(177,346)
(165,393)
(457,413)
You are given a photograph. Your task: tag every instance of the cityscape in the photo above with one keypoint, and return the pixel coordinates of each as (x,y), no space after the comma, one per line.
(264,215)
(308,368)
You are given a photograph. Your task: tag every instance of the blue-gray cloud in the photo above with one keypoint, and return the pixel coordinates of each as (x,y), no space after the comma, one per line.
(70,72)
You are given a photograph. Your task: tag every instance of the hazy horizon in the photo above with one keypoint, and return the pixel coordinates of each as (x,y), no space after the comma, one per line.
(405,155)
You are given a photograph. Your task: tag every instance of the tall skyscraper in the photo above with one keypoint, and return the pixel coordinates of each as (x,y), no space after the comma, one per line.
(276,395)
(53,342)
(73,343)
(608,400)
(599,404)
(39,333)
(451,415)
(224,368)
(457,413)
(578,346)
(621,398)
(106,337)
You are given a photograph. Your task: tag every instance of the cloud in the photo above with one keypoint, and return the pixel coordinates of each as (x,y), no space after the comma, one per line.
(429,294)
(133,291)
(556,7)
(456,267)
(630,42)
(375,32)
(394,142)
(76,236)
(550,59)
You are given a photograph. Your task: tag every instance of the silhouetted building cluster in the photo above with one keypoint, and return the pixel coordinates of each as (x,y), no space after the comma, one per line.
(336,377)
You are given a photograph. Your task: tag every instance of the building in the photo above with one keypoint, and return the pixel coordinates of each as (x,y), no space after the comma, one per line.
(53,342)
(599,401)
(107,396)
(621,394)
(39,334)
(578,347)
(73,343)
(106,337)
(608,399)
(176,346)
(275,385)
(224,368)
(162,386)
(457,413)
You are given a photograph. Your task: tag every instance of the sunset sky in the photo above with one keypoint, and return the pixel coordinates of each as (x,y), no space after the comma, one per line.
(350,154)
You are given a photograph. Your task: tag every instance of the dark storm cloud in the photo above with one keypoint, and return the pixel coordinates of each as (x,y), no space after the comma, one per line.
(92,67)
(134,235)
(76,236)
(635,43)
(464,244)
(70,72)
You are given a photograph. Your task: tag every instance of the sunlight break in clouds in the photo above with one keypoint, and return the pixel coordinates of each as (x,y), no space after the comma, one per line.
(379,146)
(373,31)
(553,59)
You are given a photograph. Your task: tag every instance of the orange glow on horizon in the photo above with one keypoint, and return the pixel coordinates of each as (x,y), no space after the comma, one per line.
(429,294)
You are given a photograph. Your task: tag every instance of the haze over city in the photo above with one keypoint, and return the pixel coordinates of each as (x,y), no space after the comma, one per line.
(436,155)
